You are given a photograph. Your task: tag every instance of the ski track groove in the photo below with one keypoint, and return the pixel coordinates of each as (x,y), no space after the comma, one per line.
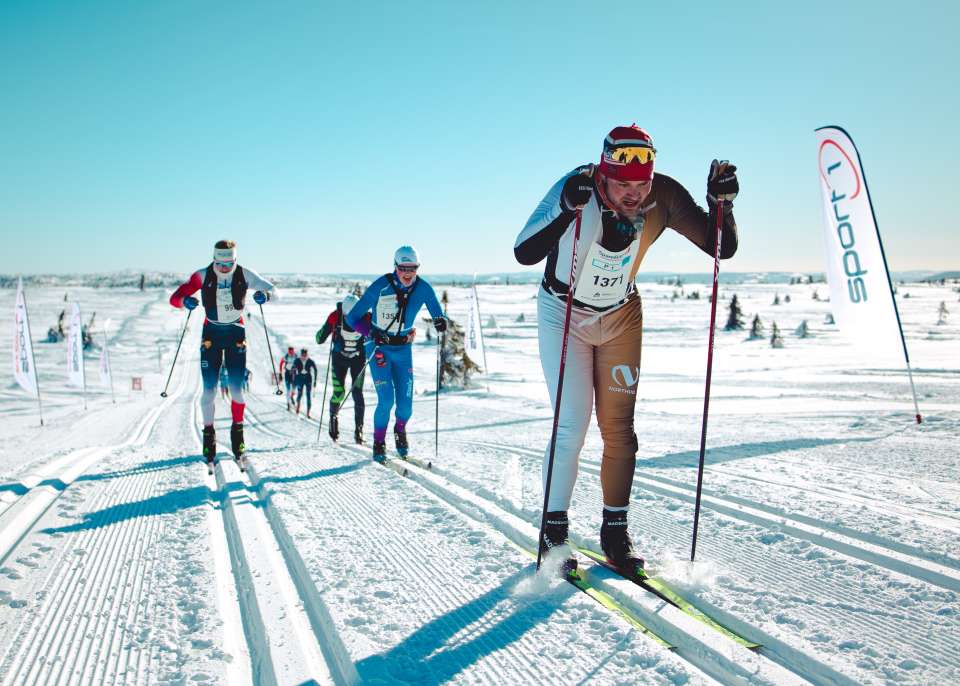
(76,630)
(398,557)
(485,527)
(731,502)
(848,603)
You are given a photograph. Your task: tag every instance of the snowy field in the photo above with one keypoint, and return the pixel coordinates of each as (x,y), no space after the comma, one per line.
(829,535)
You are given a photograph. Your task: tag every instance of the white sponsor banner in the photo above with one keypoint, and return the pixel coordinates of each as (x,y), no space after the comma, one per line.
(473,336)
(860,294)
(75,348)
(106,376)
(24,370)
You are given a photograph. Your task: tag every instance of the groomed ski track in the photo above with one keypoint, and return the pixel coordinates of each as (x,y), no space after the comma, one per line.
(702,647)
(164,580)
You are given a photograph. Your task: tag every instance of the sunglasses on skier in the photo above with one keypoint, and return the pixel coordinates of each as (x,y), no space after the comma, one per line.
(408,268)
(628,154)
(225,265)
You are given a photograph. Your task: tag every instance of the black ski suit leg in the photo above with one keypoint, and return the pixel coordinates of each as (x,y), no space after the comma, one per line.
(340,367)
(357,372)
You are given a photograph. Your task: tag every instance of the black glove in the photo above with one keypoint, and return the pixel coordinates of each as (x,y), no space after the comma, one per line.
(722,182)
(440,324)
(577,191)
(380,337)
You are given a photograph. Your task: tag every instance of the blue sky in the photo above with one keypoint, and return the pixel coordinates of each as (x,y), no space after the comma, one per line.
(322,135)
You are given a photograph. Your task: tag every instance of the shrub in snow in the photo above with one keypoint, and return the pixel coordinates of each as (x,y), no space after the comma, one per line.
(756,328)
(521,318)
(942,312)
(735,316)
(456,367)
(829,318)
(803,331)
(776,299)
(776,341)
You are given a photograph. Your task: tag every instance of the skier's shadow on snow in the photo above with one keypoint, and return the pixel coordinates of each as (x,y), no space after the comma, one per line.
(740,451)
(187,498)
(18,488)
(431,654)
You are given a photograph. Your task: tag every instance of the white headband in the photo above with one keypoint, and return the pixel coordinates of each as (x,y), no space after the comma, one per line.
(225,254)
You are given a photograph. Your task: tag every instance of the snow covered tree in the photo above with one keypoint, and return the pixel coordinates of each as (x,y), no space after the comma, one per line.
(786,298)
(803,331)
(756,328)
(776,299)
(816,295)
(456,367)
(735,317)
(492,322)
(776,341)
(521,318)
(829,318)
(942,312)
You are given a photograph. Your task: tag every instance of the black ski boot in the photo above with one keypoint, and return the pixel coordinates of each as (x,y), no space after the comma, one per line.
(617,544)
(209,446)
(556,534)
(334,427)
(358,435)
(379,452)
(236,442)
(401,439)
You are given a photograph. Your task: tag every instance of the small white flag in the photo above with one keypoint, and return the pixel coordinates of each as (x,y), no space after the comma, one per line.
(473,336)
(24,370)
(75,369)
(106,376)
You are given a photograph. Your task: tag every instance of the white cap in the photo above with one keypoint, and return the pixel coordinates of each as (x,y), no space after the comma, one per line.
(348,303)
(406,254)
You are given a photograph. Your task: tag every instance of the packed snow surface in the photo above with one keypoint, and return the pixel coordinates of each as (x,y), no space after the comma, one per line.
(829,531)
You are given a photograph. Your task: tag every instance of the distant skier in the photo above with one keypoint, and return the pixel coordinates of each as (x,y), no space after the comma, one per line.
(223,286)
(304,378)
(224,383)
(348,354)
(286,369)
(247,375)
(395,299)
(625,208)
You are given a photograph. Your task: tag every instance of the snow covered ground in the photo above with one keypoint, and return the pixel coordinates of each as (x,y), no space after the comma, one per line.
(829,533)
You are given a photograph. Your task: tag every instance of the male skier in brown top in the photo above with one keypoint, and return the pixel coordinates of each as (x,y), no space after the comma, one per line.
(625,207)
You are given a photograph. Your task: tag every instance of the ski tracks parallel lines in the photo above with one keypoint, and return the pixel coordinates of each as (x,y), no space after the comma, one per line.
(350,504)
(706,651)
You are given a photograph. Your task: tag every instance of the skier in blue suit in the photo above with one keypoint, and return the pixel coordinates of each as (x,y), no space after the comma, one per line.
(395,299)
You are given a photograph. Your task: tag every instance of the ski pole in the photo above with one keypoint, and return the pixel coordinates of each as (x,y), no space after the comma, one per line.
(706,393)
(177,354)
(556,409)
(273,364)
(441,341)
(326,381)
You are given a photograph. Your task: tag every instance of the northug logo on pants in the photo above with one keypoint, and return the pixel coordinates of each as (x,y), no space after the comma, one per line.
(625,377)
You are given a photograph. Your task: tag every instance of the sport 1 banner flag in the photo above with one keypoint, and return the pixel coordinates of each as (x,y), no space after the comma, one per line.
(861,296)
(861,292)
(75,348)
(473,338)
(24,370)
